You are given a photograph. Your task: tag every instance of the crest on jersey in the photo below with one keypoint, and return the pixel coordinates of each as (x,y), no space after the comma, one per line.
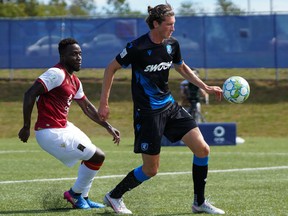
(144,146)
(169,48)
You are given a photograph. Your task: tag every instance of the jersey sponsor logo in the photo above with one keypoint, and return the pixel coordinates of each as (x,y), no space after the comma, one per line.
(169,48)
(69,101)
(158,67)
(123,53)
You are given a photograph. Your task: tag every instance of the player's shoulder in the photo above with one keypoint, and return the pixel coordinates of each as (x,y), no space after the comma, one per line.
(140,42)
(53,73)
(55,70)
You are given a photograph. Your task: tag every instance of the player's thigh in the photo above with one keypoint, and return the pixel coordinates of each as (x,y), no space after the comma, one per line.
(69,145)
(195,141)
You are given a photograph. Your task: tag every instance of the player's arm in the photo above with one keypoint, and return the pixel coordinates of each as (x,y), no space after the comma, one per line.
(205,95)
(106,88)
(28,103)
(188,74)
(90,110)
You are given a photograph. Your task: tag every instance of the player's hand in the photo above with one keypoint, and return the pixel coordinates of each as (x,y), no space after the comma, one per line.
(24,134)
(103,112)
(115,133)
(215,90)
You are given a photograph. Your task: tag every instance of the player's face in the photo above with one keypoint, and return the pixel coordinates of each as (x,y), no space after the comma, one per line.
(166,28)
(73,58)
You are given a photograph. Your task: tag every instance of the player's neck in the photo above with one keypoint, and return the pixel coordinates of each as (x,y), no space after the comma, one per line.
(155,38)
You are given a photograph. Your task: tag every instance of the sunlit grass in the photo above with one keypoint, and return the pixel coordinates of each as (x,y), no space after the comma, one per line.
(229,186)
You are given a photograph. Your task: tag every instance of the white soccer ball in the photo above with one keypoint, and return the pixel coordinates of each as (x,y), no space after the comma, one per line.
(236,89)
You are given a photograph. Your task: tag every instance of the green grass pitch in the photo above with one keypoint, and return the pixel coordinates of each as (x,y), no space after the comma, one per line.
(246,179)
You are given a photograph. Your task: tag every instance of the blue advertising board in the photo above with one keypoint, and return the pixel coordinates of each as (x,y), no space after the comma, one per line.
(214,133)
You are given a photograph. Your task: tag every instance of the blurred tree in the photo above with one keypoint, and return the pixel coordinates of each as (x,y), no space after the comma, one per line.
(82,7)
(55,8)
(32,8)
(12,10)
(188,8)
(119,7)
(226,7)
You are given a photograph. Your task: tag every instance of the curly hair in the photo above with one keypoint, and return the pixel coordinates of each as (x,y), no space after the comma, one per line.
(64,43)
(158,13)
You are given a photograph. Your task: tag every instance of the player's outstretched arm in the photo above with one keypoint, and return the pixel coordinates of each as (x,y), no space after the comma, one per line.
(90,110)
(188,74)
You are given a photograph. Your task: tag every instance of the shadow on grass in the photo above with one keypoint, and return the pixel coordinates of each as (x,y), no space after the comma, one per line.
(40,211)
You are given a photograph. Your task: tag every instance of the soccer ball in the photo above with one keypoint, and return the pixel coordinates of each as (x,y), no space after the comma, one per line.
(236,89)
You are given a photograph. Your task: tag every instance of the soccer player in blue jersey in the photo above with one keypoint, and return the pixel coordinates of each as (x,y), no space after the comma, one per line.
(156,113)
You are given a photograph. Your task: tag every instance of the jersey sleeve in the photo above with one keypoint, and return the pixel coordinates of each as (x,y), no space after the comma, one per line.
(80,93)
(52,78)
(124,58)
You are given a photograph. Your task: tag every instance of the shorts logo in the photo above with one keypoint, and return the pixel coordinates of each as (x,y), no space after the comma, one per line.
(144,146)
(81,147)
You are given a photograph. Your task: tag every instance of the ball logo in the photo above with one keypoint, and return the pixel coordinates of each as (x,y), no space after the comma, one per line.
(144,146)
(219,133)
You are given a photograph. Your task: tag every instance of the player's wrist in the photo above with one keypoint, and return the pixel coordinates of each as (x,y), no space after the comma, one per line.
(26,126)
(108,126)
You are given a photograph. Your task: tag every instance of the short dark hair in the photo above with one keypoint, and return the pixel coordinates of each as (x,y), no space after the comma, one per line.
(158,13)
(64,43)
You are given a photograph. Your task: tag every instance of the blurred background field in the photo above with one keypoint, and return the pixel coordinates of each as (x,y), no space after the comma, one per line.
(263,114)
(206,74)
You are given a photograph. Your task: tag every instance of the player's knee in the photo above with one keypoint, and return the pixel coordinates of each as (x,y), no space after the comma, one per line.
(203,151)
(150,172)
(98,157)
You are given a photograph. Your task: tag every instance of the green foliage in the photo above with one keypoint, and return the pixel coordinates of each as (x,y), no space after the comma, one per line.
(82,7)
(36,8)
(188,8)
(33,8)
(226,7)
(119,8)
(12,10)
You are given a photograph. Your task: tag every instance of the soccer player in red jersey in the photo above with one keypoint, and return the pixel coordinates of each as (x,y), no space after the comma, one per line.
(54,92)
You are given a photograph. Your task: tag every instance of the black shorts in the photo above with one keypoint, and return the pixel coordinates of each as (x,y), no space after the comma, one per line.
(173,122)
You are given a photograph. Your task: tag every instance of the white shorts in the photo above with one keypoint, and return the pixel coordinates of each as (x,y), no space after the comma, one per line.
(69,145)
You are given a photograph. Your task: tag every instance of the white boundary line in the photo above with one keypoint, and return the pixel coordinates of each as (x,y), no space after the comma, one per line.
(160,174)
